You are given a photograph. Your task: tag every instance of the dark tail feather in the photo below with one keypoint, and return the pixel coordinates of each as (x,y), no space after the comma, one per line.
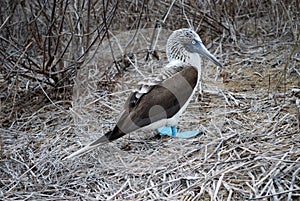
(115,134)
(108,137)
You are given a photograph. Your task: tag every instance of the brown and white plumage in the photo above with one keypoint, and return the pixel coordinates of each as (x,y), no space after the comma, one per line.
(160,102)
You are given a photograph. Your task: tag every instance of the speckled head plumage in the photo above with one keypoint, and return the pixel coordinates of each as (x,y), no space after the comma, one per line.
(185,45)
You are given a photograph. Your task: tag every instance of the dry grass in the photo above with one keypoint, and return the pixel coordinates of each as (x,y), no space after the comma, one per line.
(249,147)
(249,115)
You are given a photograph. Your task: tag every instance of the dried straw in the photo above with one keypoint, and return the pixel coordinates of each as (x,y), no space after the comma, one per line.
(248,148)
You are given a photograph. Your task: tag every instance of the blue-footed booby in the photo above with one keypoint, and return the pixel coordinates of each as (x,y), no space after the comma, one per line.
(158,103)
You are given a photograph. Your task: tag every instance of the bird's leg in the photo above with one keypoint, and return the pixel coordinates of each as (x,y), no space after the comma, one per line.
(172,132)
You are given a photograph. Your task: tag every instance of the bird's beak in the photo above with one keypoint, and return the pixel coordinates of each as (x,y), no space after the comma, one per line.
(203,51)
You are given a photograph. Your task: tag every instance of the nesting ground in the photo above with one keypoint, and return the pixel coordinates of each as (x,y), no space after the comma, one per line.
(249,147)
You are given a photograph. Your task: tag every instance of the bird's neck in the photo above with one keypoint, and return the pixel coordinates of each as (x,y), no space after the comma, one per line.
(193,60)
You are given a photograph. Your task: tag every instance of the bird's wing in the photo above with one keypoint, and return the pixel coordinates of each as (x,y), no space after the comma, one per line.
(147,84)
(158,99)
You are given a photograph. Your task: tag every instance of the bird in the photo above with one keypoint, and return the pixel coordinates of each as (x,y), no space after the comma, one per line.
(158,103)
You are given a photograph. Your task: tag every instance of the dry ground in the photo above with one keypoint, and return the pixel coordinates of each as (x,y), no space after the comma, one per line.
(249,148)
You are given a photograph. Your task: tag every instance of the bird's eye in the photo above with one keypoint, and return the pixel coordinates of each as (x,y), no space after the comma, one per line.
(193,42)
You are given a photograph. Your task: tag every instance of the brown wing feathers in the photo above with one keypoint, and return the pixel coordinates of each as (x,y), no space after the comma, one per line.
(162,101)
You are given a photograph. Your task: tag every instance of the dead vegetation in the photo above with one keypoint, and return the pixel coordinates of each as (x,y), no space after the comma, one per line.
(66,71)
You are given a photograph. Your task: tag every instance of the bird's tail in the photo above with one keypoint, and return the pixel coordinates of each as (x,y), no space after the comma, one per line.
(108,137)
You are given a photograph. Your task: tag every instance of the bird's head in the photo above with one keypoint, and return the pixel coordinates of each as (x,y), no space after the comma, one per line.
(185,45)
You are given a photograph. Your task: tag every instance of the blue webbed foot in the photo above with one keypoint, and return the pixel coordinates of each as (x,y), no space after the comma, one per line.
(167,130)
(172,131)
(187,134)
